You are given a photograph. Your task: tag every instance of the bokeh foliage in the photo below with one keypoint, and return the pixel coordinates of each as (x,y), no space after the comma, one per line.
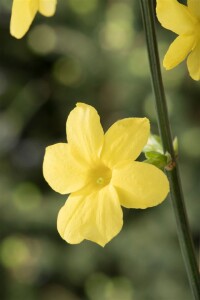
(92,51)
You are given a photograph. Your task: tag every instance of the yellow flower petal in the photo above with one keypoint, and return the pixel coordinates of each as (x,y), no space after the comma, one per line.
(84,132)
(194,7)
(23,13)
(175,16)
(68,220)
(96,217)
(62,172)
(47,8)
(193,62)
(178,51)
(140,185)
(125,140)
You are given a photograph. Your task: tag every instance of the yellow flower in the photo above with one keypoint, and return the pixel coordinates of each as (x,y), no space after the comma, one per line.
(185,22)
(24,11)
(100,173)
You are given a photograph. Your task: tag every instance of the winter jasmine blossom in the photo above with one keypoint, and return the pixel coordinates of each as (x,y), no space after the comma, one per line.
(24,11)
(185,22)
(100,172)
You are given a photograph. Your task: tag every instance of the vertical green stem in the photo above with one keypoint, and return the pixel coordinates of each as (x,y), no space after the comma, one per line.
(184,235)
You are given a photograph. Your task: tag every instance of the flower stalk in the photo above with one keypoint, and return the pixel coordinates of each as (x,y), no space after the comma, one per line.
(183,230)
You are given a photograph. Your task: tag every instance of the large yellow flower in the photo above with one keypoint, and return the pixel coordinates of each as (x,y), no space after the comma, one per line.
(24,11)
(100,173)
(184,21)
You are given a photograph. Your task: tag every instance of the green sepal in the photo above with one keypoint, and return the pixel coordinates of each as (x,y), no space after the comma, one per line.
(155,155)
(154,144)
(157,159)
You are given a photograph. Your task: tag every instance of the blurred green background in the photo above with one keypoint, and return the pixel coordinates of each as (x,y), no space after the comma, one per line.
(91,51)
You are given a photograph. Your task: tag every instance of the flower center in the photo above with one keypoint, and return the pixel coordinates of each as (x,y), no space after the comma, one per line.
(100,180)
(101,176)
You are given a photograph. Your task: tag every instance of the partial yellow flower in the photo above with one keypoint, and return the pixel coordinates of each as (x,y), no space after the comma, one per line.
(185,22)
(100,173)
(24,11)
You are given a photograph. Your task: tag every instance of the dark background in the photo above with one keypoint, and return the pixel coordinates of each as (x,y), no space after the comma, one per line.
(91,51)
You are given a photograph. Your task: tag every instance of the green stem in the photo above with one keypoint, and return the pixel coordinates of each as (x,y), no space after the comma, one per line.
(184,235)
